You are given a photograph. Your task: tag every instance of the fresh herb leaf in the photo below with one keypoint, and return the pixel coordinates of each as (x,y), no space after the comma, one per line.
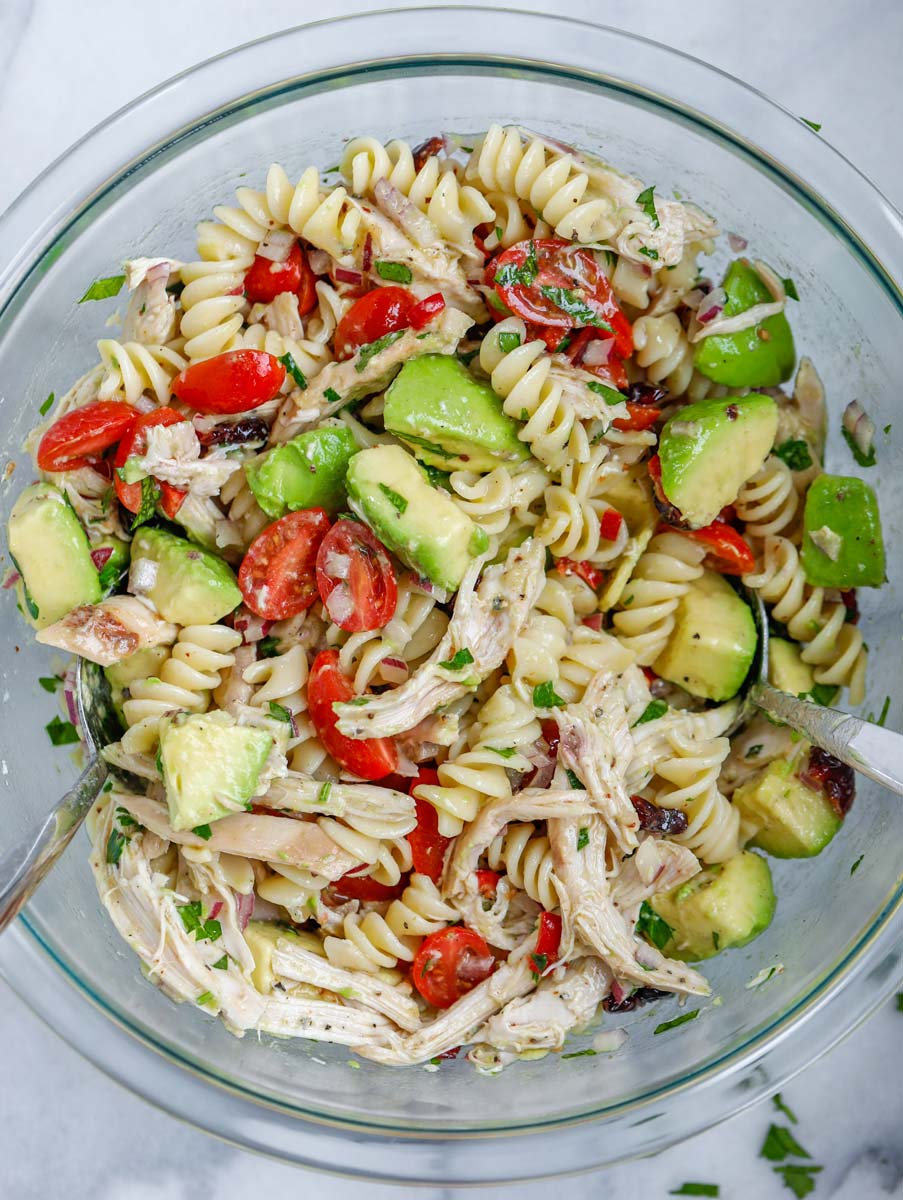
(103,289)
(373,348)
(582,838)
(790,289)
(192,919)
(563,344)
(203,831)
(545,696)
(580,1054)
(462,658)
(61,733)
(323,794)
(778,1102)
(540,962)
(436,477)
(798,1178)
(268,647)
(696,1189)
(653,710)
(574,781)
(652,927)
(280,712)
(855,867)
(863,459)
(646,201)
(126,820)
(900,1002)
(648,253)
(885,709)
(332,396)
(780,1144)
(820,693)
(795,453)
(569,302)
(397,272)
(467,356)
(503,751)
(221,964)
(294,370)
(150,494)
(158,761)
(816,125)
(205,998)
(50,682)
(512,275)
(681,1020)
(116,843)
(395,498)
(609,394)
(358,700)
(509,340)
(47,405)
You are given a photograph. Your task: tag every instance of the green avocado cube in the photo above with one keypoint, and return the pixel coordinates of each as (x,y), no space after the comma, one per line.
(390,492)
(842,542)
(760,356)
(211,766)
(190,585)
(307,472)
(450,419)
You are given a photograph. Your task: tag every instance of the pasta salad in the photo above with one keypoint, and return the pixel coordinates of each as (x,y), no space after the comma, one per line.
(406,523)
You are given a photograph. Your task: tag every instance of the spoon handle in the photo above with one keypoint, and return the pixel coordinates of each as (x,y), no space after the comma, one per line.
(25,864)
(866,747)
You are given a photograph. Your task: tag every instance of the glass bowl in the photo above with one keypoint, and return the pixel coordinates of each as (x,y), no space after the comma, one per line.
(135,186)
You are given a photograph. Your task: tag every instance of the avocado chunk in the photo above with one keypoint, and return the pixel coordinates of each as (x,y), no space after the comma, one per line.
(725,905)
(262,937)
(191,585)
(450,419)
(713,642)
(786,669)
(50,551)
(307,472)
(708,450)
(793,820)
(842,542)
(210,766)
(115,564)
(760,356)
(390,492)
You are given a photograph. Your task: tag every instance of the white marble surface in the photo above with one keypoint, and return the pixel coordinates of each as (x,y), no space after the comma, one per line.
(67,1131)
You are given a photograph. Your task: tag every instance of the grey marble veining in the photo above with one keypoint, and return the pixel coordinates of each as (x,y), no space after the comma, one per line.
(65,1130)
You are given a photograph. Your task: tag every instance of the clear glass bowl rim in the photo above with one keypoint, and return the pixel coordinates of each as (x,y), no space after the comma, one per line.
(760,128)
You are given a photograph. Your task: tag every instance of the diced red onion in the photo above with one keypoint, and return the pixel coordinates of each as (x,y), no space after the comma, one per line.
(693,298)
(367,253)
(319,261)
(12,578)
(397,663)
(712,307)
(144,404)
(405,213)
(543,769)
(860,426)
(215,909)
(737,242)
(277,245)
(293,724)
(598,352)
(617,992)
(69,696)
(593,621)
(344,275)
(339,604)
(244,908)
(101,556)
(337,565)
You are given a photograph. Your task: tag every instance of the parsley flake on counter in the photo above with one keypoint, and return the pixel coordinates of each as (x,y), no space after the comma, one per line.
(816,125)
(580,1054)
(653,710)
(778,1101)
(545,696)
(652,927)
(696,1189)
(855,867)
(61,733)
(900,1002)
(103,289)
(50,682)
(681,1020)
(461,659)
(780,1144)
(646,201)
(885,709)
(395,271)
(797,1177)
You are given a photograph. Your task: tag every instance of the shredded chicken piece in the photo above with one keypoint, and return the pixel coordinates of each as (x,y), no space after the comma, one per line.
(151,316)
(510,917)
(349,380)
(588,912)
(110,631)
(486,621)
(281,316)
(293,962)
(658,866)
(173,455)
(563,1001)
(388,811)
(595,744)
(281,840)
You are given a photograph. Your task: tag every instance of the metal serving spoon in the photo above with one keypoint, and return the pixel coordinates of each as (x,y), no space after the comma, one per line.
(26,863)
(862,745)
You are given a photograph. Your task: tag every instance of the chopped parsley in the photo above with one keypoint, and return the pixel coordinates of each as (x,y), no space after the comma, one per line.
(125,818)
(609,394)
(540,962)
(332,396)
(790,289)
(294,370)
(503,751)
(545,696)
(575,783)
(373,348)
(779,1104)
(203,831)
(150,494)
(221,964)
(696,1189)
(864,459)
(280,712)
(509,340)
(193,920)
(653,710)
(796,1176)
(397,272)
(467,356)
(563,344)
(780,1144)
(569,302)
(436,477)
(582,838)
(588,1053)
(652,927)
(900,1002)
(816,125)
(681,1020)
(61,733)
(795,453)
(116,843)
(885,709)
(205,998)
(646,201)
(47,405)
(395,498)
(512,275)
(323,794)
(268,647)
(648,253)
(50,682)
(103,289)
(462,658)
(820,693)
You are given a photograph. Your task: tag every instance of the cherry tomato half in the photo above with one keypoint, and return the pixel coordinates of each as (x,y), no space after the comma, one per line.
(384,310)
(449,964)
(233,382)
(612,371)
(370,758)
(549,281)
(134,442)
(728,553)
(356,578)
(70,441)
(592,576)
(639,416)
(426,310)
(277,576)
(428,846)
(487,883)
(266,279)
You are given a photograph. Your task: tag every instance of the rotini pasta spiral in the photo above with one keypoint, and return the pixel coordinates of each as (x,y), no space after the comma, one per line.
(690,783)
(501,497)
(525,857)
(664,352)
(131,369)
(645,616)
(768,503)
(247,517)
(212,313)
